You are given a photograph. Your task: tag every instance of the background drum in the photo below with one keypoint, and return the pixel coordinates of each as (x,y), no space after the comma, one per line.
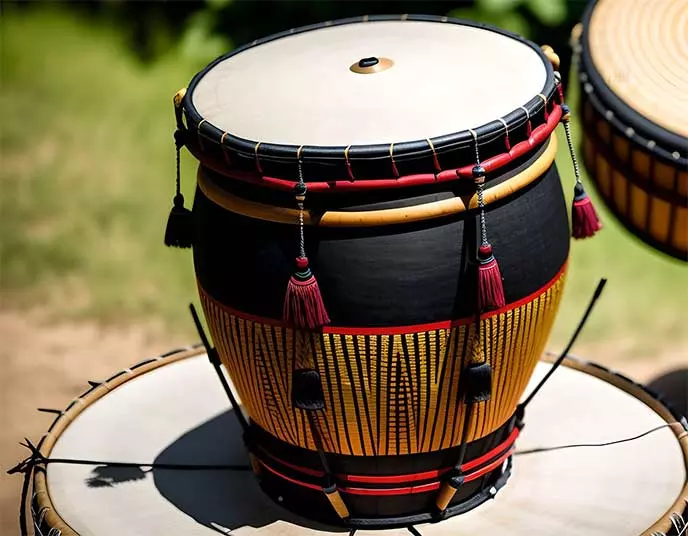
(397,174)
(172,410)
(634,75)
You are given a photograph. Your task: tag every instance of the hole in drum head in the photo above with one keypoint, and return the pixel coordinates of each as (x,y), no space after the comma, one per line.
(368,62)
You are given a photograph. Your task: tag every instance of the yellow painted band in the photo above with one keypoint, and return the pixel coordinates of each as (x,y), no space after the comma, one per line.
(372,218)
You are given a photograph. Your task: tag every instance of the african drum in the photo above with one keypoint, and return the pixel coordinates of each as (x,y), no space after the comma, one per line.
(416,182)
(171,411)
(634,75)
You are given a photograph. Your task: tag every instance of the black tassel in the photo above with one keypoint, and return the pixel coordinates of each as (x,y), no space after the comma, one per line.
(307,391)
(179,230)
(477,382)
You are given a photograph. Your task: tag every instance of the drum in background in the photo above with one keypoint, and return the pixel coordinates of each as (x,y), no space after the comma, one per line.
(396,168)
(172,410)
(634,76)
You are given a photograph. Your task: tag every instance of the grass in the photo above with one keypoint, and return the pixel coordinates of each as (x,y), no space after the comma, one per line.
(87,180)
(88,172)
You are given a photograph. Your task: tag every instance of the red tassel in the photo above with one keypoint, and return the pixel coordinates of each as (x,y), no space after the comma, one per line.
(490,287)
(303,303)
(584,220)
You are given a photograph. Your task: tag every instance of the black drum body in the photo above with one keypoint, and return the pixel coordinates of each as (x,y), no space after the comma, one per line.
(400,298)
(395,401)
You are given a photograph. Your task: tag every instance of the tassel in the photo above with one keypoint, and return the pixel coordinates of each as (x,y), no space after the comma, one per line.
(307,391)
(179,230)
(303,303)
(490,287)
(478,382)
(584,220)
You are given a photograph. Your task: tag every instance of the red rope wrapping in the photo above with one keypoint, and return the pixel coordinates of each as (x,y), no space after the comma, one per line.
(537,137)
(474,469)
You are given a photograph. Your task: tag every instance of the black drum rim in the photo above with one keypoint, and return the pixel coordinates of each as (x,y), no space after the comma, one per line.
(289,154)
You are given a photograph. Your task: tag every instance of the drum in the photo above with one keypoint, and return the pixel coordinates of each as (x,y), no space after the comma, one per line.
(171,411)
(634,76)
(380,242)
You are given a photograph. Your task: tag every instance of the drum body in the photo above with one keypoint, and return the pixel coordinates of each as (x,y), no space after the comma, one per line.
(393,247)
(635,115)
(625,489)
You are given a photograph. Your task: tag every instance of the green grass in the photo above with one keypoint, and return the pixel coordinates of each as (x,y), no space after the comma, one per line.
(87,179)
(88,172)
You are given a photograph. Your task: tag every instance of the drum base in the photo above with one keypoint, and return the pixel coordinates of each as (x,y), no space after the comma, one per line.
(384,490)
(313,504)
(626,489)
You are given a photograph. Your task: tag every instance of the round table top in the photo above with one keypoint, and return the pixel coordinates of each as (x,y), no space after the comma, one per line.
(178,413)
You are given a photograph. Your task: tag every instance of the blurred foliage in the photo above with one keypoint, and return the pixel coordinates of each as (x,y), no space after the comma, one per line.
(88,163)
(201,30)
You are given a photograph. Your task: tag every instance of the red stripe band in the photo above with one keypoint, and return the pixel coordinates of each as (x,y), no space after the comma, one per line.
(392,330)
(405,490)
(537,137)
(503,450)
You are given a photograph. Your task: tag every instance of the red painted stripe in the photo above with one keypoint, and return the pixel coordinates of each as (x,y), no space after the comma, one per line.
(289,479)
(392,330)
(443,324)
(404,478)
(538,136)
(305,470)
(414,477)
(393,479)
(488,468)
(491,454)
(407,490)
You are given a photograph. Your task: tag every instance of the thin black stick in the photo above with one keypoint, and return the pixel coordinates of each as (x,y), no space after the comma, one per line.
(215,360)
(560,359)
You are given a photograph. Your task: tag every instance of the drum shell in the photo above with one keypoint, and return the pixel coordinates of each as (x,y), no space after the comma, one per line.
(634,145)
(645,189)
(397,296)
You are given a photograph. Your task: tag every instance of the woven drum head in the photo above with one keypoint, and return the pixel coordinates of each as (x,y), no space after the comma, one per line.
(640,49)
(634,76)
(622,489)
(433,79)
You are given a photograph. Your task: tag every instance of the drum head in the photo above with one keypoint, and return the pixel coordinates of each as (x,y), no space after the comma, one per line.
(432,79)
(636,55)
(177,413)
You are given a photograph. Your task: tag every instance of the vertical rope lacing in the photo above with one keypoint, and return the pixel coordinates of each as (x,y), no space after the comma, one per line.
(302,186)
(178,178)
(480,193)
(572,152)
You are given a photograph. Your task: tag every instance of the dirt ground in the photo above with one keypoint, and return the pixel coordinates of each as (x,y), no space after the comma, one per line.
(45,364)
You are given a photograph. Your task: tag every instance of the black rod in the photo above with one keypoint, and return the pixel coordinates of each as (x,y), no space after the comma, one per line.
(574,337)
(215,360)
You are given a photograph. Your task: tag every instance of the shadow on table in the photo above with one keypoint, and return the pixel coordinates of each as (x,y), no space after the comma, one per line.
(224,498)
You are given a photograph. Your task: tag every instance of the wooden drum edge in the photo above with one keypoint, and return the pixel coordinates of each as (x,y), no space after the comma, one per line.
(44,513)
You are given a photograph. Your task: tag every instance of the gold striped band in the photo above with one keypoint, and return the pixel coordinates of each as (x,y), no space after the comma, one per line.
(372,218)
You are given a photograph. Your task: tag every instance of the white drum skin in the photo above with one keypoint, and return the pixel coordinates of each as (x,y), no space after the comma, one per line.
(621,489)
(430,90)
